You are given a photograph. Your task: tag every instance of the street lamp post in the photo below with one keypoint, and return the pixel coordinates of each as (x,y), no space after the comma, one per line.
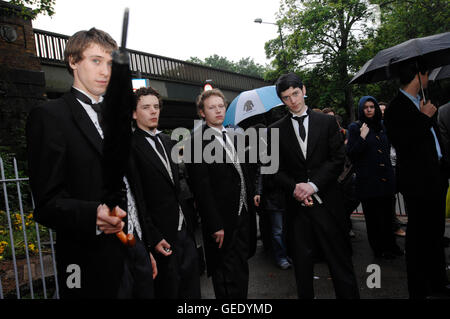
(259,20)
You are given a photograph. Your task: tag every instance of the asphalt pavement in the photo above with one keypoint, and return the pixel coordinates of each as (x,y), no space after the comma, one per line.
(267,281)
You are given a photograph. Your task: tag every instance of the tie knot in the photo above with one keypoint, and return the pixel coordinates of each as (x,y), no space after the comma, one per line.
(153,137)
(299,119)
(97,107)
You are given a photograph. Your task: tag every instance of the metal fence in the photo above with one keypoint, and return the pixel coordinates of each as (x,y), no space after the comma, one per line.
(50,50)
(27,255)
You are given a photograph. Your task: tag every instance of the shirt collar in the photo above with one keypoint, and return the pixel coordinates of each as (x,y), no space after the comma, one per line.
(219,130)
(151,132)
(93,101)
(305,112)
(415,100)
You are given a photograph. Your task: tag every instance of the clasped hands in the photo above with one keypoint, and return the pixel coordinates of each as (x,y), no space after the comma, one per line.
(303,193)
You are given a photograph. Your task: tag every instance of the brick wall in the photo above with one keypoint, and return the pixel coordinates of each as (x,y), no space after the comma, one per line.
(22,83)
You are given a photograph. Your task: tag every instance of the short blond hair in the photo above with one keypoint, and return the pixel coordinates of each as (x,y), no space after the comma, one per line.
(206,94)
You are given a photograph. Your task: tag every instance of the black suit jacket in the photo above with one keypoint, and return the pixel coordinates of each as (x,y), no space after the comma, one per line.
(323,164)
(161,194)
(216,188)
(409,131)
(444,127)
(64,156)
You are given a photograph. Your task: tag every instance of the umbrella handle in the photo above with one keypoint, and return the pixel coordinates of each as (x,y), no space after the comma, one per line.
(126,239)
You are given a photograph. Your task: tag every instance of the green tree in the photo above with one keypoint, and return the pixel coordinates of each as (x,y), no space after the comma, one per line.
(323,37)
(32,8)
(246,66)
(399,22)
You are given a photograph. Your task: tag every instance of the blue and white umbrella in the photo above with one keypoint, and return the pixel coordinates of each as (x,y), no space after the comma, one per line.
(251,103)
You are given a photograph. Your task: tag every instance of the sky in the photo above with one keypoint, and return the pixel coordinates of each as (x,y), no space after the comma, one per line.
(174,28)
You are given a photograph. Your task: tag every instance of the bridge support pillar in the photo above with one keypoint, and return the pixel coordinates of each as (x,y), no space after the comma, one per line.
(22,82)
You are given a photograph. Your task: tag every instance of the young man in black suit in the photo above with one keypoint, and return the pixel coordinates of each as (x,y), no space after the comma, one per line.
(64,140)
(422,179)
(170,217)
(223,194)
(311,159)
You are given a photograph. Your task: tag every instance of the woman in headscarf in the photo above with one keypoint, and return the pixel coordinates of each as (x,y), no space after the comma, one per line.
(368,149)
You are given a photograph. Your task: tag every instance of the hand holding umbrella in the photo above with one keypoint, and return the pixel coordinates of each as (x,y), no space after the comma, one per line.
(116,114)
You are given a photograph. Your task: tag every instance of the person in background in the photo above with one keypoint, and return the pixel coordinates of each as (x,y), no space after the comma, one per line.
(369,150)
(223,193)
(171,218)
(412,129)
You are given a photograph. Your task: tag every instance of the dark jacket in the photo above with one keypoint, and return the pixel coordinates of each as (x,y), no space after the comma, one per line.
(371,156)
(65,167)
(418,167)
(216,188)
(161,194)
(324,162)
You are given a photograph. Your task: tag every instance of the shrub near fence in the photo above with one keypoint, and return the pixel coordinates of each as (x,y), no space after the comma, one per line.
(27,267)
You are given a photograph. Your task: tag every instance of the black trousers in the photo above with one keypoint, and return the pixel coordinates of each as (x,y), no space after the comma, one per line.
(378,215)
(137,278)
(230,278)
(178,274)
(425,254)
(313,227)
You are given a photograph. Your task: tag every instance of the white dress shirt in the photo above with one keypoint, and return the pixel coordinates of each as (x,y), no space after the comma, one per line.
(133,221)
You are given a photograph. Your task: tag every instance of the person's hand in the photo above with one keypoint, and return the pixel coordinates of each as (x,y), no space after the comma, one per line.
(302,191)
(163,248)
(427,109)
(110,224)
(257,200)
(154,268)
(218,236)
(364,130)
(308,201)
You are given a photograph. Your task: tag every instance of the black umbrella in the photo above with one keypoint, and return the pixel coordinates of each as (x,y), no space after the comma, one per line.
(440,73)
(433,51)
(116,125)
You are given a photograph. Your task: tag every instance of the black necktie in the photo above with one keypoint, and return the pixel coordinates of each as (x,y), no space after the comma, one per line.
(97,107)
(158,145)
(301,127)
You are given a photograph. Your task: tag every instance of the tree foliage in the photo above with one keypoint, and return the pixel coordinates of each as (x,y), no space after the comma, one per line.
(323,37)
(245,66)
(32,8)
(327,42)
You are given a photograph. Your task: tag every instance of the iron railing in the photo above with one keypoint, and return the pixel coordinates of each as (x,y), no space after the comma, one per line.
(21,247)
(50,50)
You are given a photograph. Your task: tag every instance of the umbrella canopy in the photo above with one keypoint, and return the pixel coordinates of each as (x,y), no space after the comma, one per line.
(433,50)
(440,73)
(251,103)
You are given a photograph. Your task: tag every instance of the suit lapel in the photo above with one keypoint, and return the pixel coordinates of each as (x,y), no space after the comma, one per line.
(168,148)
(291,136)
(313,134)
(147,150)
(84,122)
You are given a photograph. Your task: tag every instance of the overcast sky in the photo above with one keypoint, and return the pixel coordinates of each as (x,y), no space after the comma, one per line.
(174,28)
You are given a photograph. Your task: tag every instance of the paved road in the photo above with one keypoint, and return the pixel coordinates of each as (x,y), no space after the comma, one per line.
(269,282)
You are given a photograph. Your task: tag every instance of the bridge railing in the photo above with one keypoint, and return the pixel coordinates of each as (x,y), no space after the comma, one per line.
(50,49)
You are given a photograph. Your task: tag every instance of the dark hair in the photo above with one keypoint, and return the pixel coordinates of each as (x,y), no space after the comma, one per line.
(328,110)
(144,91)
(81,40)
(286,81)
(206,94)
(407,70)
